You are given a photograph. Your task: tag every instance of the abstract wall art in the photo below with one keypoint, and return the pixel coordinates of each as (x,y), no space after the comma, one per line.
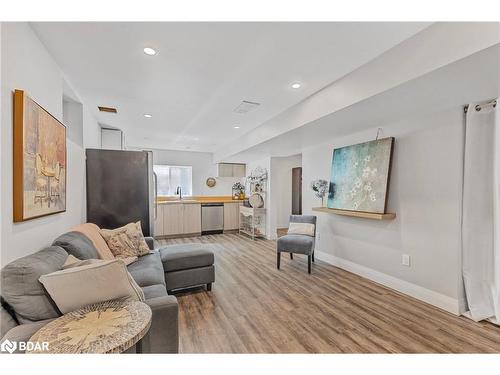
(39,160)
(360,176)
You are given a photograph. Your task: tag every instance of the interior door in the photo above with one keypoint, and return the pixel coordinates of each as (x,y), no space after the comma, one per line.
(297,191)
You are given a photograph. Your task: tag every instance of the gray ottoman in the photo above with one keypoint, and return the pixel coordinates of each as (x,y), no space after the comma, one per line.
(188,265)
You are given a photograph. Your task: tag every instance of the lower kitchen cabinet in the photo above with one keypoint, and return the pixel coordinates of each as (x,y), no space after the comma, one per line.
(158,227)
(232,216)
(177,218)
(191,218)
(173,218)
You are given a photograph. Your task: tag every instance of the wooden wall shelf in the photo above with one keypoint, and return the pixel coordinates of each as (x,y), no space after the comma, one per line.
(365,215)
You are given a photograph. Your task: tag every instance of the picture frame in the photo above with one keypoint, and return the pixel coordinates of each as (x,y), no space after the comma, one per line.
(40,160)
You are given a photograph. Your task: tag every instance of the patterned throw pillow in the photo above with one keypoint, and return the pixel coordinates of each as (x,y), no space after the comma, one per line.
(127,241)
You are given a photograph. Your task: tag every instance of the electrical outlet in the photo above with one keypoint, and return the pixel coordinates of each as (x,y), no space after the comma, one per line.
(405,260)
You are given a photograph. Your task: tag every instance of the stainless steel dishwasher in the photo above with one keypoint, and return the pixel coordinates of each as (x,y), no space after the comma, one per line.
(212,218)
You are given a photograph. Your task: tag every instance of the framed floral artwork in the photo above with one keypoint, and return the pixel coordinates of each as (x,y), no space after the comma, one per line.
(39,160)
(360,176)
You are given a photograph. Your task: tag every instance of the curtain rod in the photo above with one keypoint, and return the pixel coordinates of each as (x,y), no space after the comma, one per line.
(478,107)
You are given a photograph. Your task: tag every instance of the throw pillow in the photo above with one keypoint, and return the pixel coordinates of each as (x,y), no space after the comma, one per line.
(92,232)
(305,229)
(127,241)
(102,280)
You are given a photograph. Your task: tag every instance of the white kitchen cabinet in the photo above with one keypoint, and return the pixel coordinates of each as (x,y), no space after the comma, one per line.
(111,139)
(232,215)
(239,170)
(173,218)
(176,219)
(158,227)
(191,218)
(231,170)
(224,170)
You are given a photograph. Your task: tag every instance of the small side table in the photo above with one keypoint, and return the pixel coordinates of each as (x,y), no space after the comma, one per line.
(106,327)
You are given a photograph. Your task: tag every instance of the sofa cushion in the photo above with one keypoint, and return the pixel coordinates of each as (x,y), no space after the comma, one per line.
(296,243)
(77,244)
(92,231)
(21,288)
(185,256)
(148,270)
(153,291)
(7,322)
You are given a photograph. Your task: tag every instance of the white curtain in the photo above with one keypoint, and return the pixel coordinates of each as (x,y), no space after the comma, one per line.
(481,212)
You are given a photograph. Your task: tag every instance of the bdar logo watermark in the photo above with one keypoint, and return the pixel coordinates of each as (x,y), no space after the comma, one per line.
(11,346)
(8,346)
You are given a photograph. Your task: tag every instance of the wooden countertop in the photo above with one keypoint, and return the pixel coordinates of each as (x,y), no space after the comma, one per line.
(198,200)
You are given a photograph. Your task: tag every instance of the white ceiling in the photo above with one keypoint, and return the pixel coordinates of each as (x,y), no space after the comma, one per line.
(204,70)
(429,94)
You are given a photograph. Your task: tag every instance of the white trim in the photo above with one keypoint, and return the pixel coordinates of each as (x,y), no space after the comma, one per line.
(434,298)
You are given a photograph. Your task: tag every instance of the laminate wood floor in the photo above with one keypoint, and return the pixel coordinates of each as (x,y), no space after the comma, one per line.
(255,308)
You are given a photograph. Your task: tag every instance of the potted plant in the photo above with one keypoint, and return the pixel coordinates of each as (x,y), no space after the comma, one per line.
(238,191)
(320,188)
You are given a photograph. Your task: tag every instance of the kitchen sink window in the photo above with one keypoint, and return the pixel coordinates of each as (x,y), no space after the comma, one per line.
(171,176)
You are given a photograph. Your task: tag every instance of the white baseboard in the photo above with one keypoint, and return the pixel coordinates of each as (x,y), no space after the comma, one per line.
(433,298)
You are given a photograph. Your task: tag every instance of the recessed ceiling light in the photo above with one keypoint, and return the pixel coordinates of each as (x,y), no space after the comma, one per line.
(296,85)
(149,51)
(147,115)
(236,127)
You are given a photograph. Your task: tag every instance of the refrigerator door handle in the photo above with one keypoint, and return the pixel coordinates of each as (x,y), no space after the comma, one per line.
(155,178)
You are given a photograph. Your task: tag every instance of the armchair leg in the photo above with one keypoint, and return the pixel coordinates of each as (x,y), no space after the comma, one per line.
(291,255)
(209,287)
(278,259)
(309,263)
(313,256)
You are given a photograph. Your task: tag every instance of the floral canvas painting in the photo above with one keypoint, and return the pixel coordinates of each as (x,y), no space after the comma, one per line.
(360,176)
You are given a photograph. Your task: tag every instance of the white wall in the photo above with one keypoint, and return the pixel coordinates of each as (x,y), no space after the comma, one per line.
(203,168)
(425,192)
(280,206)
(26,65)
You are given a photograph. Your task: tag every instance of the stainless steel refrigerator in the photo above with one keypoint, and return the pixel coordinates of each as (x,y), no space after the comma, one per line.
(121,188)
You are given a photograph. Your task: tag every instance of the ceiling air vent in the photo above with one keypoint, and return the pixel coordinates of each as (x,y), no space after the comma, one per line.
(246,106)
(107,109)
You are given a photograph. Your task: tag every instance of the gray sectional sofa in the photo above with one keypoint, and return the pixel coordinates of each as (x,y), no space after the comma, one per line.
(26,307)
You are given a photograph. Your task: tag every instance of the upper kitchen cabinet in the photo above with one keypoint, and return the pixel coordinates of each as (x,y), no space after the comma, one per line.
(111,139)
(231,170)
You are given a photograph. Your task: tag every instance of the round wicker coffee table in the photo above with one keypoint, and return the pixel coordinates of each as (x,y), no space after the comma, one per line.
(106,327)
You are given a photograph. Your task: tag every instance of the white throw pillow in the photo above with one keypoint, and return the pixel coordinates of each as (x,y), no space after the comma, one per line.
(102,280)
(305,229)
